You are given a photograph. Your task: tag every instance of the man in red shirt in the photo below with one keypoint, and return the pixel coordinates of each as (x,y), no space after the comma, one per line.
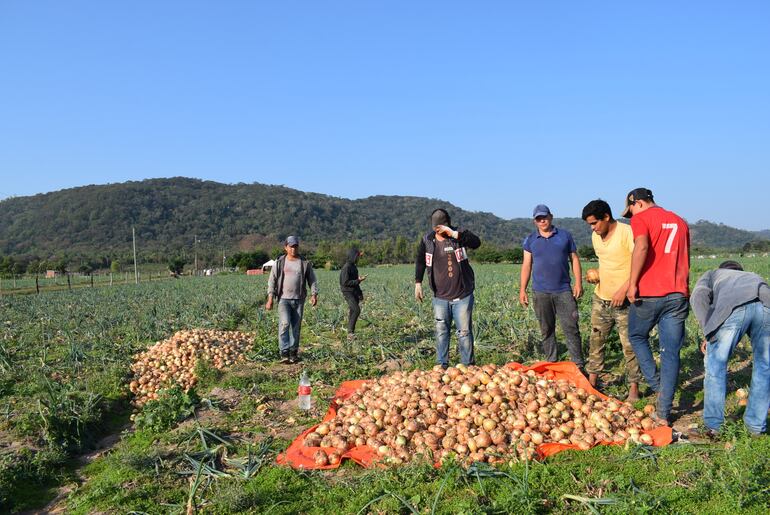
(658,291)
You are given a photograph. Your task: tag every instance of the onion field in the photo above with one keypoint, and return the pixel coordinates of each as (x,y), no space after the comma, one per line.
(71,440)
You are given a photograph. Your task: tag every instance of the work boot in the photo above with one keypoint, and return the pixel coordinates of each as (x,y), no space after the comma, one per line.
(293,357)
(285,358)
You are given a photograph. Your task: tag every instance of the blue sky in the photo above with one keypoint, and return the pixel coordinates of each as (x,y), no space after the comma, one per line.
(493,106)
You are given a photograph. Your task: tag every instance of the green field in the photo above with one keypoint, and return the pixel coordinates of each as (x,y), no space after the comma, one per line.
(64,361)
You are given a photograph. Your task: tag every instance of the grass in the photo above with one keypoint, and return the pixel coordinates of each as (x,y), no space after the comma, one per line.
(680,479)
(64,360)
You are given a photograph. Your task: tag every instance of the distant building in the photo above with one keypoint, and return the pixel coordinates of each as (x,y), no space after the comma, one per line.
(50,274)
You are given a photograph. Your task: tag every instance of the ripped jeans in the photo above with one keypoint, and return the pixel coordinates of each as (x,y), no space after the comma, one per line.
(289,325)
(461,311)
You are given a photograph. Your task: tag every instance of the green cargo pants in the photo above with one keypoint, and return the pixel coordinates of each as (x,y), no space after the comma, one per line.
(603,318)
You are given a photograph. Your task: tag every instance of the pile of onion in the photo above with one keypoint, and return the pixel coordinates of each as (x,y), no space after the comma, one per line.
(172,361)
(475,414)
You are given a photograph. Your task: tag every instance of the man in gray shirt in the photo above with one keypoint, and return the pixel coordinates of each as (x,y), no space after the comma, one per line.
(288,281)
(728,304)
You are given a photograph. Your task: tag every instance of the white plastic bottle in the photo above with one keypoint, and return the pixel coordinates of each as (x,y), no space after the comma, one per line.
(303,392)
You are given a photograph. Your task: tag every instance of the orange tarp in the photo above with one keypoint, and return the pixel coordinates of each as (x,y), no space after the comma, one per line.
(301,457)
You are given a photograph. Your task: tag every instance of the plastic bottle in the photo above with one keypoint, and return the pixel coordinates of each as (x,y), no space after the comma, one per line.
(303,392)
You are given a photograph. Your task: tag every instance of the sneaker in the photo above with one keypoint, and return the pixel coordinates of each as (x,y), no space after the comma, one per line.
(656,416)
(659,420)
(704,433)
(285,359)
(293,358)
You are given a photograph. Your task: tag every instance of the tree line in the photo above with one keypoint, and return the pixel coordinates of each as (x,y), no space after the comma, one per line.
(392,251)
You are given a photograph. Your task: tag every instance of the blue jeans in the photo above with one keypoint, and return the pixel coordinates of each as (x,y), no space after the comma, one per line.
(752,319)
(668,313)
(289,324)
(461,311)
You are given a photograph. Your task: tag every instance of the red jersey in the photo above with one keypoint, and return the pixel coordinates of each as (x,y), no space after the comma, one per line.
(667,267)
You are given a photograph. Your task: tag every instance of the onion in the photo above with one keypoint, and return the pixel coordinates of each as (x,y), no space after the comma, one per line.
(313,440)
(320,458)
(474,414)
(483,440)
(489,424)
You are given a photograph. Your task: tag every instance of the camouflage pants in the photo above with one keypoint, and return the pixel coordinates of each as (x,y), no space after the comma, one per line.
(603,318)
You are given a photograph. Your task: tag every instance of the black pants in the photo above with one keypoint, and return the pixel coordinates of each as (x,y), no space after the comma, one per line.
(354,310)
(549,307)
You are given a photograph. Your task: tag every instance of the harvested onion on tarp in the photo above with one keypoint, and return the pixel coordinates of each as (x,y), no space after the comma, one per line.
(489,413)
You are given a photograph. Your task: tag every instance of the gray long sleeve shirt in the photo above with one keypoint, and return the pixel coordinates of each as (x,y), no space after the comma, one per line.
(718,292)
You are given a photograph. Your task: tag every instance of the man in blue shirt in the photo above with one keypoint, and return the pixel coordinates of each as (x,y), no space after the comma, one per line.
(548,252)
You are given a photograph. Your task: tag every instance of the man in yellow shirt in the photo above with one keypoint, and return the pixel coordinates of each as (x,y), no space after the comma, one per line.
(613,244)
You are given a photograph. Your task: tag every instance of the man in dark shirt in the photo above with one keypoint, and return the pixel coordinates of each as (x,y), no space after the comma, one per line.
(443,252)
(350,285)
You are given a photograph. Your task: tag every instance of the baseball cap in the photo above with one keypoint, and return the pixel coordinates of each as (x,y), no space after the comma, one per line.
(540,210)
(439,217)
(633,196)
(731,265)
(292,240)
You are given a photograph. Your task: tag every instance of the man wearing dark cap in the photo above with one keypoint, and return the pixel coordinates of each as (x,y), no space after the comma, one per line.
(443,252)
(548,252)
(730,303)
(288,282)
(658,290)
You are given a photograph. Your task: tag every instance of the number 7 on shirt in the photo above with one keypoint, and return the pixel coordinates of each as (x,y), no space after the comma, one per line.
(670,241)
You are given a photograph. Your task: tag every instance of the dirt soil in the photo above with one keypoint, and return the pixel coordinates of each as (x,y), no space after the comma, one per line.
(59,504)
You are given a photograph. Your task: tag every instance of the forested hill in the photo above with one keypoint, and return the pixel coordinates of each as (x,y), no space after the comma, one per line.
(169,214)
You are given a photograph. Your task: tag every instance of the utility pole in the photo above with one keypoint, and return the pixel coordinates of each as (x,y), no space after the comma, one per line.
(195,250)
(136,270)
